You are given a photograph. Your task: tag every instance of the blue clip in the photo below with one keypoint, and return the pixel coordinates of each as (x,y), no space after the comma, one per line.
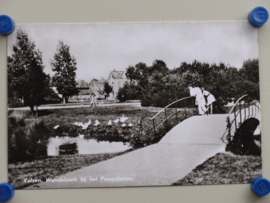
(258,16)
(7,25)
(6,192)
(260,186)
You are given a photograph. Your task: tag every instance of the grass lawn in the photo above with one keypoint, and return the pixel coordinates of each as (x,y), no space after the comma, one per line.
(51,167)
(224,168)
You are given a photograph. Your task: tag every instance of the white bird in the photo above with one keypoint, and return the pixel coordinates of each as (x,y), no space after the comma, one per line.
(130,125)
(81,136)
(123,118)
(79,124)
(85,126)
(97,123)
(55,127)
(76,123)
(116,121)
(82,124)
(124,125)
(110,123)
(89,122)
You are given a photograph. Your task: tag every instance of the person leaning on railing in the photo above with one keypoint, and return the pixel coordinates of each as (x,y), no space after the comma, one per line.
(199,99)
(209,100)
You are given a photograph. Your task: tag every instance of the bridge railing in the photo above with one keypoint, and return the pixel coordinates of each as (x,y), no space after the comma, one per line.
(181,106)
(243,109)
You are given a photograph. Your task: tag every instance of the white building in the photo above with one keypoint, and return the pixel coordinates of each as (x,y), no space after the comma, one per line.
(117,79)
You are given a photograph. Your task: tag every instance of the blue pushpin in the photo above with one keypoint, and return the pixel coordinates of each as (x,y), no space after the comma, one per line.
(260,186)
(258,16)
(7,25)
(6,192)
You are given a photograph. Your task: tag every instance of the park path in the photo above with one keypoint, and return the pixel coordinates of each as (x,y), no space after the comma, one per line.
(187,145)
(75,106)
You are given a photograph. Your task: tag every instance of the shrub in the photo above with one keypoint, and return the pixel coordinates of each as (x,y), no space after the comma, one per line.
(15,102)
(26,142)
(142,138)
(128,92)
(52,98)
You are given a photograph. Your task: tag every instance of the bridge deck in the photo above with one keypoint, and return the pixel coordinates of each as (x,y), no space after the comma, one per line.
(198,130)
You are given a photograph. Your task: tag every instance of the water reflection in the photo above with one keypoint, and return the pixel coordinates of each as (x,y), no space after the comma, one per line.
(85,146)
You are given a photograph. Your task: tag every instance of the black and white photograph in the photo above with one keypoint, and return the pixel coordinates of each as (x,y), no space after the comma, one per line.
(133,104)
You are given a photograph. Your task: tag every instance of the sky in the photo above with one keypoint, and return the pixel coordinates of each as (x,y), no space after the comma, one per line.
(102,47)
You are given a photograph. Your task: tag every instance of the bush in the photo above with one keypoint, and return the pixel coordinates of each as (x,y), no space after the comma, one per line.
(26,143)
(142,138)
(146,100)
(109,133)
(64,130)
(52,98)
(128,92)
(15,102)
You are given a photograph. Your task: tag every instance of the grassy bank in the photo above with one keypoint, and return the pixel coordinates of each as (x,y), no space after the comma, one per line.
(224,168)
(51,167)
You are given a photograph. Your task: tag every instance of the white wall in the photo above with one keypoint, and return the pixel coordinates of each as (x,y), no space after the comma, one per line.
(71,11)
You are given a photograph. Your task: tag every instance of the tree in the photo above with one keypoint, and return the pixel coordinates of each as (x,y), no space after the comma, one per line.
(107,88)
(250,70)
(159,66)
(65,66)
(137,73)
(157,85)
(26,78)
(249,73)
(130,73)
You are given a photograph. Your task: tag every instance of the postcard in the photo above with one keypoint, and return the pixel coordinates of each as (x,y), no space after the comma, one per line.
(133,104)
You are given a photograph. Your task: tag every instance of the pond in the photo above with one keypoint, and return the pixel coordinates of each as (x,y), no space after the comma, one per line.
(85,146)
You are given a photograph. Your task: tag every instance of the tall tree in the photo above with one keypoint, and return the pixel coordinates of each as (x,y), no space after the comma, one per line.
(64,66)
(26,78)
(107,88)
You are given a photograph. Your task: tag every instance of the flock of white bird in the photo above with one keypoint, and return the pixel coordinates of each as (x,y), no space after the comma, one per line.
(84,126)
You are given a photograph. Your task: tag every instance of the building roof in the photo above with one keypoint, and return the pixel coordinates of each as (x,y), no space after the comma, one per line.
(117,75)
(99,82)
(82,84)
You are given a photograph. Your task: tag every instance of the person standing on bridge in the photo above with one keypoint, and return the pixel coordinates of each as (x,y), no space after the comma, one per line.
(209,100)
(200,101)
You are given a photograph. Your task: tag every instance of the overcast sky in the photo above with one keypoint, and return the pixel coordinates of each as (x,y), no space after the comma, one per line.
(100,48)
